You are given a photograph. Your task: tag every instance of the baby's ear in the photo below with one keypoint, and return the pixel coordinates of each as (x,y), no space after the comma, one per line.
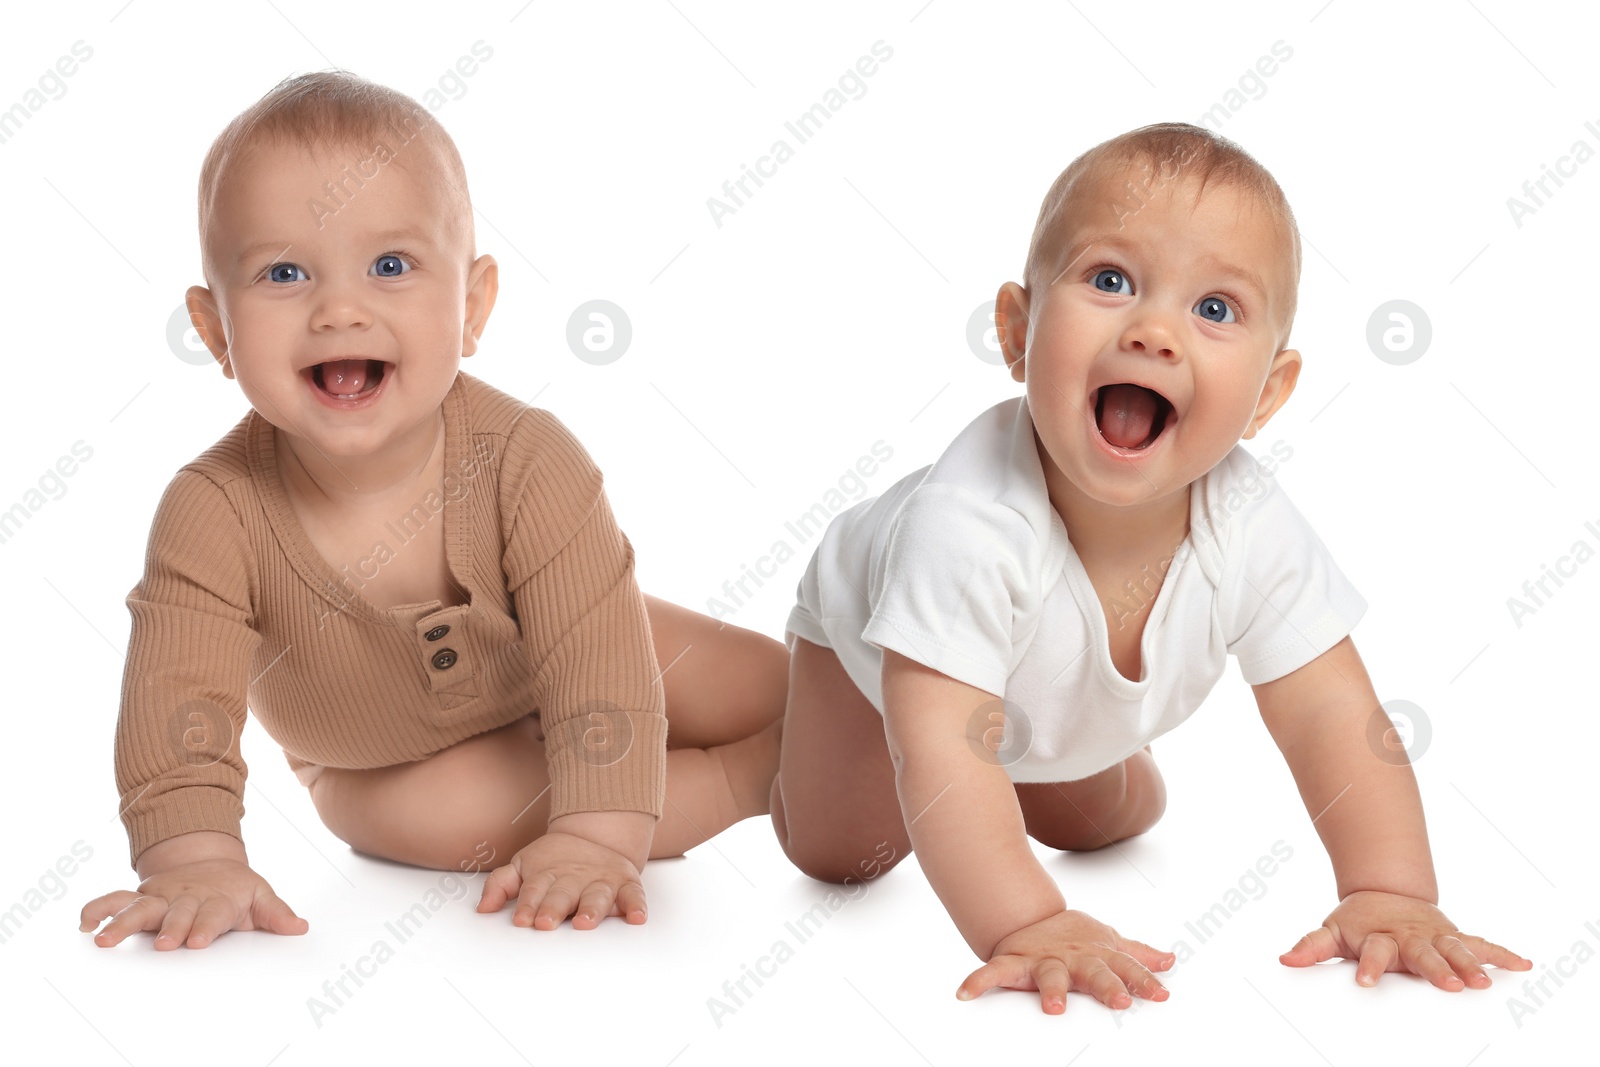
(483,283)
(1011,327)
(206,318)
(1281,377)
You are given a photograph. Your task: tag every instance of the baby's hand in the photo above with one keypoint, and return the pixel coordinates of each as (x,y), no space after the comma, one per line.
(192,903)
(1070,950)
(1389,932)
(558,874)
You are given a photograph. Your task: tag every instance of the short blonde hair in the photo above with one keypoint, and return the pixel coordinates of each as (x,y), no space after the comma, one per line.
(333,110)
(1205,157)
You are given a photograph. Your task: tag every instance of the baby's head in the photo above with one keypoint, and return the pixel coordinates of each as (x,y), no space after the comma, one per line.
(1153,320)
(337,245)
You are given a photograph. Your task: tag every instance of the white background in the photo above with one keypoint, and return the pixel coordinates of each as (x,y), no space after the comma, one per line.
(769,354)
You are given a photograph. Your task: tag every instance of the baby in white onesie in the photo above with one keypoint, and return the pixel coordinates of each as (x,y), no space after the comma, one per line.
(985,651)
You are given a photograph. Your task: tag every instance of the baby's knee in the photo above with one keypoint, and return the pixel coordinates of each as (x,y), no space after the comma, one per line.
(840,859)
(846,866)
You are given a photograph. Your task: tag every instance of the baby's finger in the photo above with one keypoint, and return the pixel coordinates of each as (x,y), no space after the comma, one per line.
(531,897)
(102,906)
(1460,957)
(175,927)
(1421,958)
(630,903)
(1051,976)
(215,918)
(1315,947)
(559,902)
(593,905)
(1090,974)
(500,886)
(1009,971)
(1489,952)
(1149,956)
(144,913)
(1378,952)
(1140,982)
(271,912)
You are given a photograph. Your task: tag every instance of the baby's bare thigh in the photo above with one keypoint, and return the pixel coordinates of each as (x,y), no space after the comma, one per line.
(834,804)
(470,806)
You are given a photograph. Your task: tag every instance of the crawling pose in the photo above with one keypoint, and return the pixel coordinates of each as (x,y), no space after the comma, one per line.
(416,579)
(985,651)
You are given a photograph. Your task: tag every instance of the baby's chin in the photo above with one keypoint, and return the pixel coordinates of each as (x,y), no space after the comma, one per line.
(1094,477)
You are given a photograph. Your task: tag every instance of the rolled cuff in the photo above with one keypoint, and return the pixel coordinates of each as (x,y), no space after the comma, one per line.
(606,759)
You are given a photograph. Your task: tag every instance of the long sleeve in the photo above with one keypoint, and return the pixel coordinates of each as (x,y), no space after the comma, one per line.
(571,573)
(184,685)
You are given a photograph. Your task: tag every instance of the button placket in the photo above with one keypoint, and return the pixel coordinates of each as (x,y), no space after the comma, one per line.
(448,666)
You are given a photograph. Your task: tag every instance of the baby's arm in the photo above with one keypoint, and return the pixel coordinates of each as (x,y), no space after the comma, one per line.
(1368,813)
(967,830)
(176,754)
(570,570)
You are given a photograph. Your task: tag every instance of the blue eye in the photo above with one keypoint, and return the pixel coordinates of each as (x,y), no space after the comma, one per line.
(390,266)
(1113,277)
(1215,305)
(274,275)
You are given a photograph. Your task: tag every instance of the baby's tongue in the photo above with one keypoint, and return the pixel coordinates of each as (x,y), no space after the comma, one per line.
(346,376)
(1127,414)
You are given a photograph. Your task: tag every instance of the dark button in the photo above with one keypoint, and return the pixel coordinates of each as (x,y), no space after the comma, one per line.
(436,633)
(444,659)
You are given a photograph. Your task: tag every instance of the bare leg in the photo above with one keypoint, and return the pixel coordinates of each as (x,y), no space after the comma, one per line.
(723,683)
(488,795)
(1119,802)
(725,689)
(834,805)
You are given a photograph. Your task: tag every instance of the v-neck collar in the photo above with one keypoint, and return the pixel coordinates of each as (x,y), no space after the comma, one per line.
(318,573)
(1083,591)
(1077,575)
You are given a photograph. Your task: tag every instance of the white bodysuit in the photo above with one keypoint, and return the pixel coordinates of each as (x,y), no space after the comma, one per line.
(964,566)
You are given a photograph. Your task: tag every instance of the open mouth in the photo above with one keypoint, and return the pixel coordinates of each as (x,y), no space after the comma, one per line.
(1131,417)
(348,379)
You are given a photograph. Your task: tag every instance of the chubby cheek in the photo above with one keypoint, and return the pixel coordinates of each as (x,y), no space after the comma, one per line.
(433,325)
(1055,389)
(255,329)
(1059,422)
(1229,404)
